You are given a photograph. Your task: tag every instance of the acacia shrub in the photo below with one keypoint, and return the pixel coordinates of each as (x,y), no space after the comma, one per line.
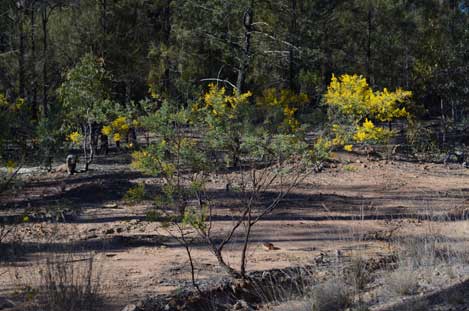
(355,111)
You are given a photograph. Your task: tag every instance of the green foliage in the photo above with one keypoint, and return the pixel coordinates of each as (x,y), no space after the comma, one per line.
(171,156)
(422,140)
(153,216)
(222,121)
(196,218)
(135,194)
(350,168)
(279,107)
(49,137)
(225,117)
(84,94)
(173,150)
(16,131)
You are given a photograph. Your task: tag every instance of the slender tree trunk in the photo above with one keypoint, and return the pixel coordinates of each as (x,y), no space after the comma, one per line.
(247,236)
(191,262)
(293,72)
(167,37)
(246,53)
(34,108)
(45,89)
(369,65)
(443,121)
(89,156)
(104,29)
(221,262)
(21,51)
(167,21)
(84,143)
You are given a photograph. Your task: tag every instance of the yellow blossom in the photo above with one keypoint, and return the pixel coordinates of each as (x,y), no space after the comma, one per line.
(119,122)
(221,105)
(125,127)
(116,137)
(352,95)
(106,130)
(74,137)
(354,98)
(135,123)
(368,125)
(360,136)
(154,94)
(10,166)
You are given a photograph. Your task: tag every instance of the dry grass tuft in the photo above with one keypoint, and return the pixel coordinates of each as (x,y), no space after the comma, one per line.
(402,282)
(331,295)
(64,282)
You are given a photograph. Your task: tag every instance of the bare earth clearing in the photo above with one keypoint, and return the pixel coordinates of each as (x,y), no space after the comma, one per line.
(332,210)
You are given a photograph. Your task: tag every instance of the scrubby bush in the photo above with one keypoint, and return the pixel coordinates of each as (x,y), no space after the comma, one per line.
(231,136)
(85,103)
(355,111)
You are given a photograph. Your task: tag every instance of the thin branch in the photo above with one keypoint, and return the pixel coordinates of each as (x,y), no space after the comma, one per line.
(276,39)
(10,179)
(232,231)
(220,80)
(281,196)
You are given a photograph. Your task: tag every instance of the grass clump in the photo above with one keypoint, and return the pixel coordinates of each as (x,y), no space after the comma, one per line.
(357,274)
(402,282)
(334,294)
(70,284)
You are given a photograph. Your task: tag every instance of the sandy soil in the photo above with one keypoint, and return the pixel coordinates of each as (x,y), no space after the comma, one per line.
(330,210)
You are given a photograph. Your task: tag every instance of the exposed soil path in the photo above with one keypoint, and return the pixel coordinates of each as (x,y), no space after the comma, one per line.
(331,210)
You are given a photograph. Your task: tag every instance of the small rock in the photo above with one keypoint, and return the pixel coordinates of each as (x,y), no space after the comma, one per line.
(265,274)
(269,246)
(131,307)
(110,205)
(242,305)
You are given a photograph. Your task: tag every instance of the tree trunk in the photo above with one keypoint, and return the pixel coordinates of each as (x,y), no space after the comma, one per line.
(246,53)
(21,50)
(104,145)
(89,145)
(104,29)
(369,66)
(84,146)
(34,108)
(221,262)
(45,88)
(245,244)
(293,72)
(167,37)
